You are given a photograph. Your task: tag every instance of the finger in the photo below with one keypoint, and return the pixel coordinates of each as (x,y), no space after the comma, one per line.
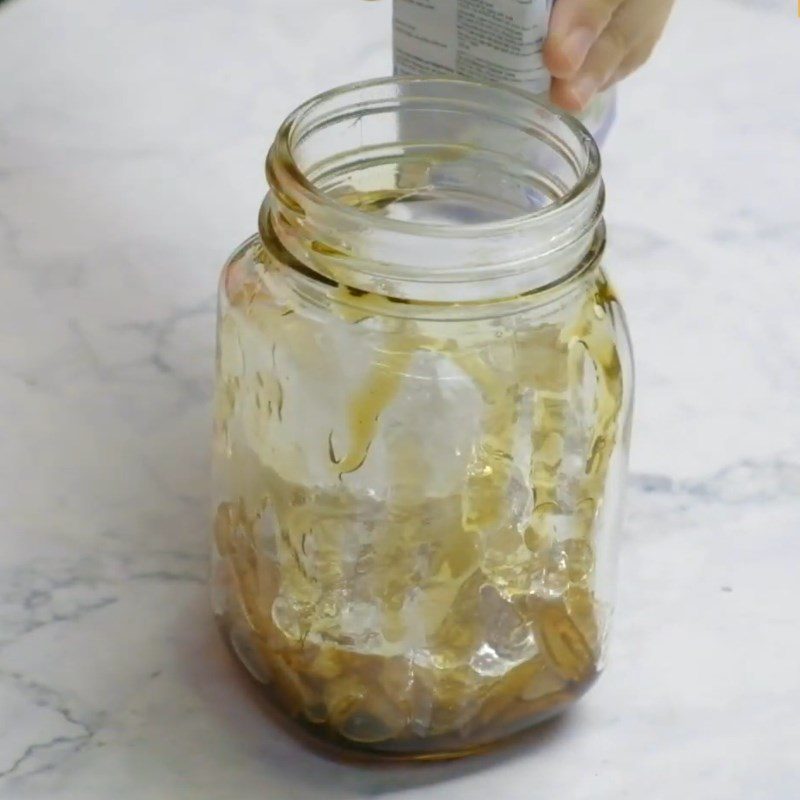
(603,60)
(575,26)
(635,23)
(633,61)
(644,22)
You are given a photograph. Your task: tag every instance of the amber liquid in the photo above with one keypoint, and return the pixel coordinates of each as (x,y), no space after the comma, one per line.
(511,627)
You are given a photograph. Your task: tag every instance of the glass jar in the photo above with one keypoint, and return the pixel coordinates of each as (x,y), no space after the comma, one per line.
(422,415)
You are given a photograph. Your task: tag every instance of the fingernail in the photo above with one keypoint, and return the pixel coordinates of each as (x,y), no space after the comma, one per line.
(576,46)
(583,89)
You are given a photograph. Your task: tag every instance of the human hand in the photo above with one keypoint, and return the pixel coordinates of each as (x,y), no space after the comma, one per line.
(592,44)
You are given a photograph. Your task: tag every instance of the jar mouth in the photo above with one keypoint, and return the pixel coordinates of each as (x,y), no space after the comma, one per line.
(465,96)
(434,189)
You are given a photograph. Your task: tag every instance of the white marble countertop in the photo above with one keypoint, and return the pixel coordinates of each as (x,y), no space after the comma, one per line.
(131,141)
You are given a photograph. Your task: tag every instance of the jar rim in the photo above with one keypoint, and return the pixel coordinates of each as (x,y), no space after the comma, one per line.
(291,131)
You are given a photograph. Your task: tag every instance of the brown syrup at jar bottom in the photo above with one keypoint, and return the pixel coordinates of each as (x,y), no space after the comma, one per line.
(518,721)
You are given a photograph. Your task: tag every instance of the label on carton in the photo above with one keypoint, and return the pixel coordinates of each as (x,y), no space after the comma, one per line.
(496,41)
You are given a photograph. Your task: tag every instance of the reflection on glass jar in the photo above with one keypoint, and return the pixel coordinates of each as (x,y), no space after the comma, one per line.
(421,420)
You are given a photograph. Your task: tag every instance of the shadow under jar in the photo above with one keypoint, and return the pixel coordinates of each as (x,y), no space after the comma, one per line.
(422,414)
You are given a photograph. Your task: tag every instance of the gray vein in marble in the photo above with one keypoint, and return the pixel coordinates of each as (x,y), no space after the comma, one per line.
(64,746)
(45,592)
(159,332)
(745,481)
